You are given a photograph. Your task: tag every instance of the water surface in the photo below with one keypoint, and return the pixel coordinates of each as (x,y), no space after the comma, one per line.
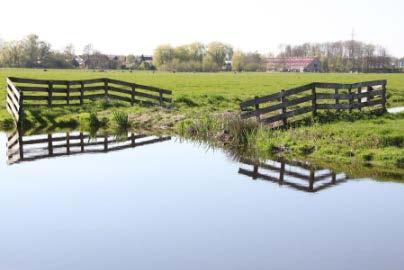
(175,205)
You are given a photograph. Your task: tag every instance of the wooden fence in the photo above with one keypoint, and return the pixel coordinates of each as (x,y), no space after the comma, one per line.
(29,92)
(295,175)
(278,107)
(34,147)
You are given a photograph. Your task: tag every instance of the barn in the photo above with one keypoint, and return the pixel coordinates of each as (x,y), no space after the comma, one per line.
(293,64)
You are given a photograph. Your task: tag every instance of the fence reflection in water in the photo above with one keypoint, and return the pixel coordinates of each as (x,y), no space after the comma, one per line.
(33,147)
(293,174)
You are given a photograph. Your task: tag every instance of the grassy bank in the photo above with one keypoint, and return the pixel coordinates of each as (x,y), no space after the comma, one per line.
(193,93)
(205,106)
(364,145)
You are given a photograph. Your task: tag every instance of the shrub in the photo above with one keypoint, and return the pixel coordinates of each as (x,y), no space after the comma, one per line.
(7,124)
(400,162)
(367,157)
(397,141)
(93,120)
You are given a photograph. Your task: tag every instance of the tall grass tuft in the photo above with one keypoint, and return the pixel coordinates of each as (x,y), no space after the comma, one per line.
(94,122)
(121,119)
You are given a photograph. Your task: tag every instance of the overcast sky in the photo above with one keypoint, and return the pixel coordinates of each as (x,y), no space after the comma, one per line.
(132,26)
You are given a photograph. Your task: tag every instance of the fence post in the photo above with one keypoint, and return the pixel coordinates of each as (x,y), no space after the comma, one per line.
(350,99)
(314,100)
(81,142)
(336,98)
(257,107)
(68,93)
(311,183)
(255,176)
(50,146)
(50,88)
(132,101)
(68,143)
(21,109)
(282,173)
(106,88)
(106,143)
(283,110)
(81,92)
(359,98)
(369,98)
(384,99)
(132,139)
(20,143)
(161,98)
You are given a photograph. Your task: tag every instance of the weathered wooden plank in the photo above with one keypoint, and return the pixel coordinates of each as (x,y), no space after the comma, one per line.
(12,89)
(367,104)
(56,82)
(25,80)
(14,100)
(119,82)
(369,94)
(300,89)
(275,96)
(93,88)
(33,89)
(145,95)
(349,96)
(339,106)
(286,115)
(13,135)
(153,89)
(332,85)
(120,90)
(29,97)
(14,110)
(368,83)
(333,96)
(251,102)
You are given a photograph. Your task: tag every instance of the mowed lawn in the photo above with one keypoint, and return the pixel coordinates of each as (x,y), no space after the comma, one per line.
(228,88)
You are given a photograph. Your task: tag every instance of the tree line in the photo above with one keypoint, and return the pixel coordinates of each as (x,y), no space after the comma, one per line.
(343,56)
(215,56)
(31,52)
(340,56)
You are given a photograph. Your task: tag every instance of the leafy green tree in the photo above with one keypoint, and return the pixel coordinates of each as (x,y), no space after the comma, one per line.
(238,61)
(217,53)
(163,55)
(197,51)
(182,53)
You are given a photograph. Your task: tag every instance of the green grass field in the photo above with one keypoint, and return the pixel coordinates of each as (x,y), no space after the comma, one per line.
(199,97)
(198,92)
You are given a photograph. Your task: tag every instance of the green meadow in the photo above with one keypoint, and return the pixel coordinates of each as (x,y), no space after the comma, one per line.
(200,100)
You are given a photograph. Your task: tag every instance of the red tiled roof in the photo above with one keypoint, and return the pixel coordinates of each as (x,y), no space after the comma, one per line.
(293,63)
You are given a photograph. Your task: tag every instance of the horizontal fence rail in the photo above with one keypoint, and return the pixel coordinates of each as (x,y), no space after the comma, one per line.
(28,148)
(31,92)
(278,107)
(295,175)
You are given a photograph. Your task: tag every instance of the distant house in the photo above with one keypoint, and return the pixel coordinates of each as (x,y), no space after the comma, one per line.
(401,63)
(296,64)
(146,58)
(80,61)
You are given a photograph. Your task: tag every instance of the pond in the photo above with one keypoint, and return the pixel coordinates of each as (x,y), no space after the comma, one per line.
(75,201)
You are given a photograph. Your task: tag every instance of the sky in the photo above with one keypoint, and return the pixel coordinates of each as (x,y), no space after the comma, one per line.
(137,27)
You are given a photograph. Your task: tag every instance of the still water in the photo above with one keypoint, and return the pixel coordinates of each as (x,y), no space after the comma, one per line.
(151,202)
